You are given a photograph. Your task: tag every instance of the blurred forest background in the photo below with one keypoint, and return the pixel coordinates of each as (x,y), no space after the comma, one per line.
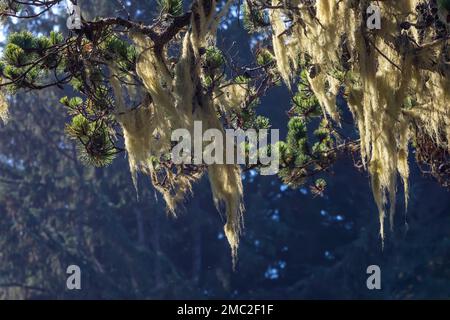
(56,212)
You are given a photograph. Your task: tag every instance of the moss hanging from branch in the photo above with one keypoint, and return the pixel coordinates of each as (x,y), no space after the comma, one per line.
(393,77)
(396,83)
(177,99)
(4,113)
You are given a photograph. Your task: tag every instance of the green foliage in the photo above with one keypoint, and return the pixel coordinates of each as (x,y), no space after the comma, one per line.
(132,54)
(214,58)
(303,154)
(297,141)
(56,38)
(319,186)
(119,51)
(116,47)
(79,128)
(57,211)
(94,142)
(28,59)
(264,57)
(320,183)
(297,131)
(262,122)
(92,123)
(304,101)
(248,118)
(322,134)
(15,55)
(283,150)
(23,39)
(72,103)
(76,84)
(242,79)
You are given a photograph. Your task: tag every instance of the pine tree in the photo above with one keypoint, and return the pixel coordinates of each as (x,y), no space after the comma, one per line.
(134,82)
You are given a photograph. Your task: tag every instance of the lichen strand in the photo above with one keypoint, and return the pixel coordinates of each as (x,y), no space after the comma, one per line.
(178,98)
(390,80)
(231,96)
(4,111)
(280,45)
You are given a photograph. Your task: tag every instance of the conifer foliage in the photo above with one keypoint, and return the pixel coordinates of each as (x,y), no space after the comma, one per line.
(133,83)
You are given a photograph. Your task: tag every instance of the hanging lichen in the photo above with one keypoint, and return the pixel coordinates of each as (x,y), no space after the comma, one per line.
(177,98)
(170,74)
(393,77)
(4,113)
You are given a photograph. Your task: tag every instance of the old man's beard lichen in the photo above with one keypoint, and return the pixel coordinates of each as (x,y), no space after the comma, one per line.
(177,100)
(390,80)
